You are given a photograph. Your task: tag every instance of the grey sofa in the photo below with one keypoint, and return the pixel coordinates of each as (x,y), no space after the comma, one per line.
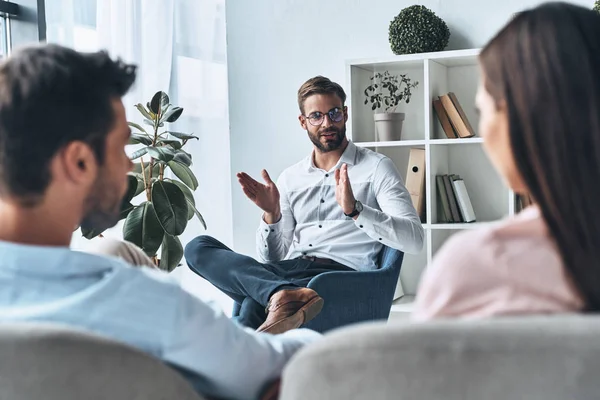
(532,358)
(52,362)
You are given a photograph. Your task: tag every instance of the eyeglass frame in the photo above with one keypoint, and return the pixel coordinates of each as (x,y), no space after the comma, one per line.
(344,111)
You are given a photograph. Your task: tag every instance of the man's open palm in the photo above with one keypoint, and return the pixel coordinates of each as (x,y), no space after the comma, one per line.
(266,195)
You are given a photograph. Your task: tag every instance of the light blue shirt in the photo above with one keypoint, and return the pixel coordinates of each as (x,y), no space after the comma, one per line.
(144,308)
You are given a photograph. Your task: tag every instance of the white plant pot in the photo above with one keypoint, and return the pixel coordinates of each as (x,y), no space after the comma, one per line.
(389,126)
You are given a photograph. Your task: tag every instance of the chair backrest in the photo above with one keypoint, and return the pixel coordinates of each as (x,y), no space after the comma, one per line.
(40,361)
(533,358)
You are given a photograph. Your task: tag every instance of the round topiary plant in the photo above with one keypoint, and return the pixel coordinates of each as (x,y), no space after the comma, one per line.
(418,30)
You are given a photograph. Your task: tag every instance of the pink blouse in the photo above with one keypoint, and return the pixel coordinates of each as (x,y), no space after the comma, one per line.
(510,268)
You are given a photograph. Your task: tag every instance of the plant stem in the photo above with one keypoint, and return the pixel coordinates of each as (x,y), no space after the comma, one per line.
(144,178)
(162,171)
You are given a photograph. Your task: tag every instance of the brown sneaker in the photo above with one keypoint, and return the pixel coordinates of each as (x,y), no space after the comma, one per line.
(290,309)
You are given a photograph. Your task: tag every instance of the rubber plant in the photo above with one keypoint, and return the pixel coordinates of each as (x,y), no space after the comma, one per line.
(158,221)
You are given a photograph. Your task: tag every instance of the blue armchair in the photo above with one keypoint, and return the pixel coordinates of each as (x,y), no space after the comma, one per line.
(352,297)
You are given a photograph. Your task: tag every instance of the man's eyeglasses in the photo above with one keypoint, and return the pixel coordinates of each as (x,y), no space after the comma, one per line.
(335,115)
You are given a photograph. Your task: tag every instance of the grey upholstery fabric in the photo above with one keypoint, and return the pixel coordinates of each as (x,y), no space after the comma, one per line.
(533,358)
(52,362)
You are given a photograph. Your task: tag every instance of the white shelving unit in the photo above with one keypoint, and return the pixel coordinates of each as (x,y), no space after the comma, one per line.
(437,74)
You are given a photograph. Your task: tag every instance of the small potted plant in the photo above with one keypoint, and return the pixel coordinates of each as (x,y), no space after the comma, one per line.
(385,93)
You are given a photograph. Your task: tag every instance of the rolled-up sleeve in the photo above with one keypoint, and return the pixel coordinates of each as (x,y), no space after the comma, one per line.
(397,225)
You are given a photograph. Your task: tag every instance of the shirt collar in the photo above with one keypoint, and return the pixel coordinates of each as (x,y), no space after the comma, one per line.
(50,260)
(348,157)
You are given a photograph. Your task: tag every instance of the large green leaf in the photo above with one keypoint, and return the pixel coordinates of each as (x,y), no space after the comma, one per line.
(140,187)
(171,253)
(90,233)
(200,217)
(171,207)
(136,126)
(143,228)
(143,111)
(185,174)
(183,158)
(173,114)
(126,208)
(164,154)
(157,101)
(189,196)
(137,138)
(139,153)
(176,144)
(182,136)
(132,186)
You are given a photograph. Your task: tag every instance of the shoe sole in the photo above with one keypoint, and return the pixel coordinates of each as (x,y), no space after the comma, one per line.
(309,311)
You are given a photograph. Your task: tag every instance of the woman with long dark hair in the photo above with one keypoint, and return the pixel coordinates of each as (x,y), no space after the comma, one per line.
(539,104)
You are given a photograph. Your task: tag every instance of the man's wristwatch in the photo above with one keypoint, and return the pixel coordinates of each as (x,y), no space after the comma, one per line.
(358,207)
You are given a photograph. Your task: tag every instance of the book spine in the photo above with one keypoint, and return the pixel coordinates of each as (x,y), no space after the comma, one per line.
(452,200)
(441,189)
(464,201)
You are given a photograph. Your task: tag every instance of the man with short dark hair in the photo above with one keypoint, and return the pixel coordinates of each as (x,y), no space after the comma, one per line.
(332,211)
(63,134)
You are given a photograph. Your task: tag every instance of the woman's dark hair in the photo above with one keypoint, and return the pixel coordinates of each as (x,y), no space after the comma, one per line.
(49,96)
(544,67)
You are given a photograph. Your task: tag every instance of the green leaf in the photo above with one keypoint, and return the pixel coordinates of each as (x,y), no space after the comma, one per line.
(193,207)
(185,174)
(176,144)
(182,136)
(156,102)
(137,138)
(171,253)
(126,208)
(164,154)
(183,158)
(143,111)
(188,195)
(137,126)
(171,207)
(140,187)
(90,233)
(173,114)
(139,153)
(132,185)
(143,229)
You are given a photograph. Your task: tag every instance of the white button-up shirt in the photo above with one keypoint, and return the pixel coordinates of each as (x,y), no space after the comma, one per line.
(313,223)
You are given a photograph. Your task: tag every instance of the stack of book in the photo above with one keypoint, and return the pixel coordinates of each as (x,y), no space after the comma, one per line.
(452,117)
(455,201)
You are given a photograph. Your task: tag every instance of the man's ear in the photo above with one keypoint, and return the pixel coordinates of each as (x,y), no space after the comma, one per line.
(345,114)
(302,120)
(78,161)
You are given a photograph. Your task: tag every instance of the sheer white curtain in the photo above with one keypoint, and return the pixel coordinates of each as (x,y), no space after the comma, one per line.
(180,48)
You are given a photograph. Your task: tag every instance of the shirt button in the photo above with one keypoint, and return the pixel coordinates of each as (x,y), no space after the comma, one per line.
(361,226)
(380,239)
(322,201)
(303,254)
(310,245)
(265,245)
(326,175)
(266,230)
(272,230)
(320,226)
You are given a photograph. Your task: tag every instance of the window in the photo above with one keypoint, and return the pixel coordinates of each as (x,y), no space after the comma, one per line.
(7,10)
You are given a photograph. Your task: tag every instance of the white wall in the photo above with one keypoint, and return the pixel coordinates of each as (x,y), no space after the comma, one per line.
(275,45)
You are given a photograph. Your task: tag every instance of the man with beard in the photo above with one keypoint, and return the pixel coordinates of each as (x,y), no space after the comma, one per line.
(332,211)
(63,134)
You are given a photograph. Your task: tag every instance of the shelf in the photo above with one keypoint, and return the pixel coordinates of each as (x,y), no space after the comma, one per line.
(404,304)
(395,143)
(464,225)
(457,141)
